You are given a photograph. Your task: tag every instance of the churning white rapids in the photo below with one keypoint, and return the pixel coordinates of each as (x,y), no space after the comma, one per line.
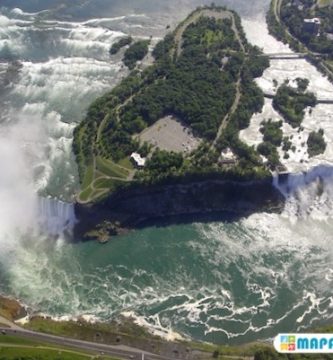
(222,281)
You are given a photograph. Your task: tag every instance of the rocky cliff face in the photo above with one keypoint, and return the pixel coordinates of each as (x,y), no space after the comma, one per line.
(132,208)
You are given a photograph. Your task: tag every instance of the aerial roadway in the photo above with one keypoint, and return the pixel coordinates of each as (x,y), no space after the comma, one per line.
(118,351)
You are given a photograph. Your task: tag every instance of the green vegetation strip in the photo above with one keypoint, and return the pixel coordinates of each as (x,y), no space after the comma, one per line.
(126,163)
(89,176)
(138,336)
(16,347)
(86,194)
(120,44)
(111,169)
(17,353)
(291,103)
(12,340)
(135,53)
(316,143)
(104,184)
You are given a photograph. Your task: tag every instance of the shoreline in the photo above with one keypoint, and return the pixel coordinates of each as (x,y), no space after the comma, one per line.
(141,222)
(125,333)
(281,33)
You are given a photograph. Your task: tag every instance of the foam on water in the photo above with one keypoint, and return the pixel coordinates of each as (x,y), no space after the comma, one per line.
(218,282)
(231,281)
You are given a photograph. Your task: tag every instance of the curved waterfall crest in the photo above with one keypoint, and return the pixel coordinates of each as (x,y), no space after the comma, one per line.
(308,194)
(55,216)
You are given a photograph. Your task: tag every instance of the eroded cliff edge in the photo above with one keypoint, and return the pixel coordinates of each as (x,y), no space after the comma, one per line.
(136,207)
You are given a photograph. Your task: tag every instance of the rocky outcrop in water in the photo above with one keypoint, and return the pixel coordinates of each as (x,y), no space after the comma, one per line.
(199,201)
(11,309)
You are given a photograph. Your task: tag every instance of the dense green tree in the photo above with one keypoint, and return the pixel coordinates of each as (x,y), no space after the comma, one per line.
(197,84)
(316,143)
(268,354)
(291,103)
(136,52)
(272,132)
(269,151)
(120,44)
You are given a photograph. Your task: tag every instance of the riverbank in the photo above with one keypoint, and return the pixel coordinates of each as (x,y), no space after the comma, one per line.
(297,158)
(121,332)
(137,207)
(123,339)
(102,335)
(281,32)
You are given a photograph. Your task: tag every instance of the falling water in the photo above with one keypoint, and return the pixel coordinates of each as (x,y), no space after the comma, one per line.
(218,281)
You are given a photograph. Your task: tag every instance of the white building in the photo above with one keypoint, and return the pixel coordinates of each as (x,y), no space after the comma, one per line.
(228,157)
(138,159)
(312,25)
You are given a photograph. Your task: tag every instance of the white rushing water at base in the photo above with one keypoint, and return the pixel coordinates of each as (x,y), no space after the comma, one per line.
(62,66)
(219,281)
(55,216)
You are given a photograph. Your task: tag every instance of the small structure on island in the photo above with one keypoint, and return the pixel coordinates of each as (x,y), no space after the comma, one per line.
(312,25)
(227,157)
(282,174)
(138,160)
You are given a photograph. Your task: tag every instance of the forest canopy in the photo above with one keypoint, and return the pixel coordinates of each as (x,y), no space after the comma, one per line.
(115,48)
(205,80)
(291,102)
(136,52)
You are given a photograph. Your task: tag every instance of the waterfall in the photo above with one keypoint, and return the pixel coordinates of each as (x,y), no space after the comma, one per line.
(55,216)
(308,194)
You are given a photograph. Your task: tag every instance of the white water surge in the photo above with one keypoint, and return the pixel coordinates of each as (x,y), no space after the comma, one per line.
(63,67)
(220,281)
(279,71)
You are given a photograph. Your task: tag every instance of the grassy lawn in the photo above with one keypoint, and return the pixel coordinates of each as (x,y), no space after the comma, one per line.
(12,340)
(126,163)
(98,192)
(100,195)
(111,169)
(14,347)
(86,194)
(210,37)
(323,3)
(246,350)
(105,184)
(88,177)
(13,353)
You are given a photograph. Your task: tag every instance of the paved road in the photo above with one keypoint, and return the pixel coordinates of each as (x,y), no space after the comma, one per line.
(119,351)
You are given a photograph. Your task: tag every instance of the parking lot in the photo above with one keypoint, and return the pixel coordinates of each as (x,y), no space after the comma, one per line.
(170,134)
